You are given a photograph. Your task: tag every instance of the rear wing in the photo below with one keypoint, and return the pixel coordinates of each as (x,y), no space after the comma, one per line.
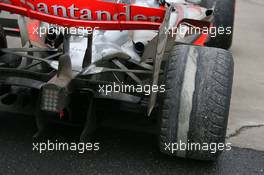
(88,13)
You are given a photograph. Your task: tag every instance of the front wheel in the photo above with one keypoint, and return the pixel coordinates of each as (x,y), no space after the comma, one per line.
(195,105)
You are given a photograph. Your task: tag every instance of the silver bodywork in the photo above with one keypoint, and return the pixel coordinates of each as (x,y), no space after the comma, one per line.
(119,44)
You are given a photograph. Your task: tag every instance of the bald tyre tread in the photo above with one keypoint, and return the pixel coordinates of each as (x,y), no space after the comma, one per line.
(207,104)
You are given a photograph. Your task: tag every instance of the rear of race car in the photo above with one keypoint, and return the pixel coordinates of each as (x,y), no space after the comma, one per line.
(77,58)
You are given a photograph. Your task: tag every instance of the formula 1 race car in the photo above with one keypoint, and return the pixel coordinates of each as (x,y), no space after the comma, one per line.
(163,59)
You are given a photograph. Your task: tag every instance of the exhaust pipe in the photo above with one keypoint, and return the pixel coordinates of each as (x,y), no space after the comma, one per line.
(139,48)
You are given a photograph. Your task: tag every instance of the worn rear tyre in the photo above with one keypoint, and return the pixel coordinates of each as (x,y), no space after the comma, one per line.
(3,44)
(195,105)
(6,59)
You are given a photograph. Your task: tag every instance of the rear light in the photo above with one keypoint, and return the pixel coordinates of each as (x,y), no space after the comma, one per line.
(53,98)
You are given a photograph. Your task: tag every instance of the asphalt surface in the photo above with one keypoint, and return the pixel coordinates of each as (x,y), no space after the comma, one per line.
(133,152)
(121,152)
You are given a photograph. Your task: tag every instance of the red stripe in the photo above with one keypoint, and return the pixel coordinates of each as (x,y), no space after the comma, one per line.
(201,40)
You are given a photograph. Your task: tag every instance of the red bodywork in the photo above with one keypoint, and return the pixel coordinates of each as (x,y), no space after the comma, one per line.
(37,9)
(120,17)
